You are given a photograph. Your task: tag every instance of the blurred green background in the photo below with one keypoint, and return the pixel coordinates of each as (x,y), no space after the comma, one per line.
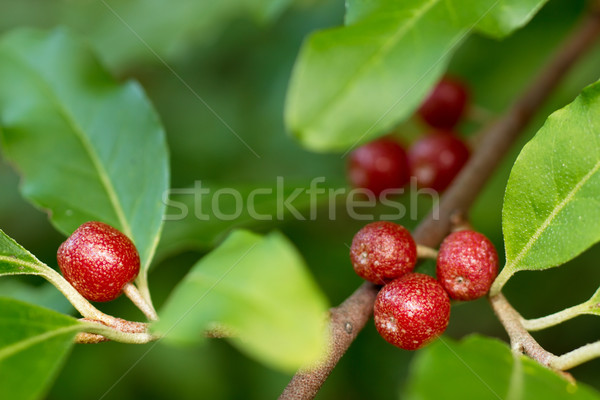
(235,58)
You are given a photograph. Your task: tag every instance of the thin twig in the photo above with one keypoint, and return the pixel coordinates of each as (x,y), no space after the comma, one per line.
(576,357)
(132,292)
(94,331)
(353,313)
(346,321)
(559,317)
(520,340)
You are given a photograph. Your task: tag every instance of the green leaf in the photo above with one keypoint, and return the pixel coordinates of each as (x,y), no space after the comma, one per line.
(354,83)
(509,15)
(551,210)
(484,368)
(88,148)
(15,260)
(199,216)
(45,295)
(33,346)
(260,289)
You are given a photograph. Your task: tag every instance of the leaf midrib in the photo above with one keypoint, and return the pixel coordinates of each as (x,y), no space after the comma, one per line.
(79,133)
(536,235)
(22,263)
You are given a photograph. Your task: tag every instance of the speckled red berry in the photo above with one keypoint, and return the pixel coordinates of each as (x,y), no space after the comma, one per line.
(383,251)
(379,165)
(436,159)
(98,260)
(412,311)
(445,105)
(467,265)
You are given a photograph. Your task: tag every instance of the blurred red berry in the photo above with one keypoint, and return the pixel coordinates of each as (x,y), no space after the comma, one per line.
(436,159)
(379,165)
(445,105)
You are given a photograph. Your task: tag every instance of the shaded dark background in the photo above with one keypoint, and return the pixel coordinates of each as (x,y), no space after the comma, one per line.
(240,65)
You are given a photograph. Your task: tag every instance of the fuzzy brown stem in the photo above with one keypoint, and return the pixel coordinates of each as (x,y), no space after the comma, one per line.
(520,340)
(350,317)
(89,338)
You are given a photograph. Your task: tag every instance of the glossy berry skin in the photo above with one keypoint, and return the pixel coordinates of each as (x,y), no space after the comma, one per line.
(436,159)
(467,265)
(98,260)
(412,311)
(383,251)
(379,165)
(445,105)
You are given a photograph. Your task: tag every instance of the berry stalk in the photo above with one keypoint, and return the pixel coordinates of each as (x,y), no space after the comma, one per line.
(132,292)
(83,306)
(426,252)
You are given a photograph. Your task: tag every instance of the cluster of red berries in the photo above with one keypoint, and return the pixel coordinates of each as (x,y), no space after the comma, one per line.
(98,260)
(434,160)
(413,308)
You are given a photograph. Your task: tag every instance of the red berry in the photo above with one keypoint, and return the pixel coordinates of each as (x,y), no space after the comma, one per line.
(379,165)
(445,105)
(412,311)
(383,251)
(467,265)
(436,159)
(98,260)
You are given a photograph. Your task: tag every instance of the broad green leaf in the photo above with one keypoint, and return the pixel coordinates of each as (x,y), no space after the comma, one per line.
(551,209)
(354,83)
(199,216)
(33,346)
(509,15)
(15,260)
(87,147)
(484,368)
(260,289)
